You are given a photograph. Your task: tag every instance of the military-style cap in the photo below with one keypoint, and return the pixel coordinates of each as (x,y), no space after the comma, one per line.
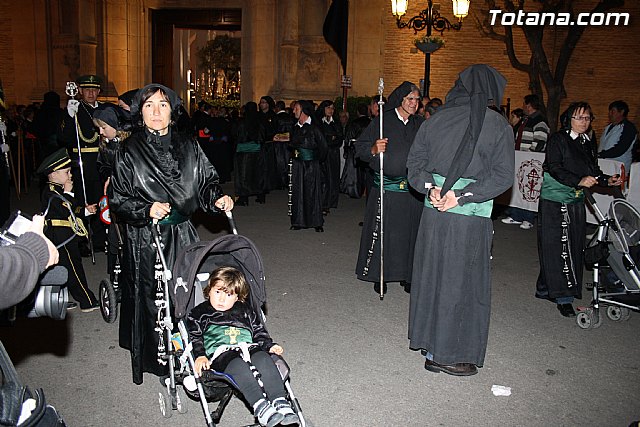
(89,81)
(55,161)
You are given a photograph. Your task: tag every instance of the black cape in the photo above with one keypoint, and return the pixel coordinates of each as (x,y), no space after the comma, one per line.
(146,172)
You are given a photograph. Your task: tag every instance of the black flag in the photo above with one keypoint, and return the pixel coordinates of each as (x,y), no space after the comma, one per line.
(336,29)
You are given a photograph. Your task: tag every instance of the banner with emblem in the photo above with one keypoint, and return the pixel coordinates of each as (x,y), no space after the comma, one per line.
(527,182)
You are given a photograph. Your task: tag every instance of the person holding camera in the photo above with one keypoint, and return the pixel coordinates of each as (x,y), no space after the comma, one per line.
(61,226)
(22,263)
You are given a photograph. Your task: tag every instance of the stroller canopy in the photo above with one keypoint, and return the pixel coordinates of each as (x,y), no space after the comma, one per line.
(231,250)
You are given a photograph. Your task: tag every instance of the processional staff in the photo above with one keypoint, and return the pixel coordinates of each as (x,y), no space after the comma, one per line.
(380,115)
(71,90)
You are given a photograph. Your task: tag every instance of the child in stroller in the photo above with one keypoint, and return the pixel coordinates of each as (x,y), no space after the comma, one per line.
(228,336)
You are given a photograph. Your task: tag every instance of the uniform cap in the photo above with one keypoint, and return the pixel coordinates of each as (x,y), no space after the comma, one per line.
(55,161)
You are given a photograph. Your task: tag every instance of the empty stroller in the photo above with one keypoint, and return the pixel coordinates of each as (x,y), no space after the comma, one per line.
(614,253)
(190,274)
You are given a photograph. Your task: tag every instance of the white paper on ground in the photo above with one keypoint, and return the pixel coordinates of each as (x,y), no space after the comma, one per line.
(501,390)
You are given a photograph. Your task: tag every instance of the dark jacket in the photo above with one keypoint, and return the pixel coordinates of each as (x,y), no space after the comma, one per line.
(239,316)
(20,267)
(568,160)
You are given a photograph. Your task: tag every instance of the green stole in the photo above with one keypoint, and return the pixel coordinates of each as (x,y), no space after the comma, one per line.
(248,147)
(398,184)
(469,209)
(557,192)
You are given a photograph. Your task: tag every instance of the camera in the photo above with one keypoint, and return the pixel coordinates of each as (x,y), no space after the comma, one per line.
(51,295)
(17,224)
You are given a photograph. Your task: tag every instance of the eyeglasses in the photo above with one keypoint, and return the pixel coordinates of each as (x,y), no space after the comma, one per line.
(583,119)
(411,98)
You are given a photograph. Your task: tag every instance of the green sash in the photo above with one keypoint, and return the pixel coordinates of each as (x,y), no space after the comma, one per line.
(557,192)
(304,154)
(218,335)
(398,184)
(248,147)
(173,218)
(469,209)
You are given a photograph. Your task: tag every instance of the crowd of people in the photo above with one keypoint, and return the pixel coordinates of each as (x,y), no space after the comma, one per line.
(444,163)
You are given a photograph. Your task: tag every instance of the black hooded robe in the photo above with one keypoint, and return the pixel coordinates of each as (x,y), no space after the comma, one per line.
(145,172)
(451,286)
(306,175)
(401,209)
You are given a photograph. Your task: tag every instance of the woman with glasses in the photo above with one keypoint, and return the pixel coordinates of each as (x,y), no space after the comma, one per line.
(570,166)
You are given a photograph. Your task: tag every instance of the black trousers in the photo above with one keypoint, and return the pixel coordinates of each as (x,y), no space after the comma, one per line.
(231,363)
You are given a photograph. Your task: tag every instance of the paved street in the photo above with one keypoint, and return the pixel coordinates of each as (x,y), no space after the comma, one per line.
(348,350)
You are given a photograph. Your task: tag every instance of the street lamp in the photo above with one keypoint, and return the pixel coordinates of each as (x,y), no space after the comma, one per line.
(431,20)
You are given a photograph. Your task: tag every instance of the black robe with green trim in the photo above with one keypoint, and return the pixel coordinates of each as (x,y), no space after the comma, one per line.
(173,170)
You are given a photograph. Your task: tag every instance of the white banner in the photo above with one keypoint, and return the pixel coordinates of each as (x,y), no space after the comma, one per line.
(527,182)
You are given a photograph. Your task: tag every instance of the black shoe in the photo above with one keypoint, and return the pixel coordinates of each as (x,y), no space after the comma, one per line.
(319,230)
(294,227)
(376,288)
(566,310)
(261,200)
(457,369)
(242,201)
(406,286)
(325,212)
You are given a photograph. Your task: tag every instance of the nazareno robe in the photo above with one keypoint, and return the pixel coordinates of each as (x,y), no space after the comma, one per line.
(172,169)
(401,209)
(352,180)
(451,286)
(567,161)
(309,148)
(331,166)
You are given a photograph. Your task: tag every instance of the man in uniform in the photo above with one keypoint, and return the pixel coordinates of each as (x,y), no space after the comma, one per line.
(77,125)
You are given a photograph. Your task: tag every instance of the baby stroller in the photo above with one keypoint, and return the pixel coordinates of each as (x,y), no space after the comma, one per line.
(614,253)
(191,273)
(109,292)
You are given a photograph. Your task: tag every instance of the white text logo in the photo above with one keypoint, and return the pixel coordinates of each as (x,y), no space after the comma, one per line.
(560,18)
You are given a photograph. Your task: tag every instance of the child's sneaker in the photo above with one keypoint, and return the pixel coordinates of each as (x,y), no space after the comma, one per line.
(266,414)
(284,408)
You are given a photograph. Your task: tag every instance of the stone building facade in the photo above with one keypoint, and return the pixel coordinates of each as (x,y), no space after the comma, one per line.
(44,43)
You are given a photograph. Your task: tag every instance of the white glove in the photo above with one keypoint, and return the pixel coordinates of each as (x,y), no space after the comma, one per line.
(3,127)
(72,107)
(4,147)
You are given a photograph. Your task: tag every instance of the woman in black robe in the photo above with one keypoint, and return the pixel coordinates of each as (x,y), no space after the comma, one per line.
(160,175)
(402,204)
(332,131)
(249,169)
(308,149)
(570,165)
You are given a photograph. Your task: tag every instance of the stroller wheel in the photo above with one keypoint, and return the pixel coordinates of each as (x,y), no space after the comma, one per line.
(181,400)
(108,301)
(589,319)
(165,404)
(618,314)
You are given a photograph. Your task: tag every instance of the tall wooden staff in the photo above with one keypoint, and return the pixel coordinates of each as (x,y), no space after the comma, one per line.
(72,90)
(380,115)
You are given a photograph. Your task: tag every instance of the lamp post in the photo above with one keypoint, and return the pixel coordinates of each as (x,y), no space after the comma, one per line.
(431,20)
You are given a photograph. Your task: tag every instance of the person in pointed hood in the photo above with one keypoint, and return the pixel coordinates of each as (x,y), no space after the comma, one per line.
(402,204)
(461,159)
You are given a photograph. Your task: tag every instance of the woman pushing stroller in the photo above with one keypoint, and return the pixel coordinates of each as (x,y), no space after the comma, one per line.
(220,328)
(159,174)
